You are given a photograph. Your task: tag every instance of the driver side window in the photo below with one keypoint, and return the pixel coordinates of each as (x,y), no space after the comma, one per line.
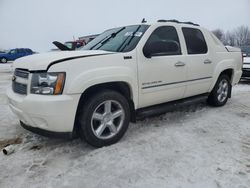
(164,41)
(13,51)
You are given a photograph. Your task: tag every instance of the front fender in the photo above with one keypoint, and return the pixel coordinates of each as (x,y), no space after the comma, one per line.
(104,75)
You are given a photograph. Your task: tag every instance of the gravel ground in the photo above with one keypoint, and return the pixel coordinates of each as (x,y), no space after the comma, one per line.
(195,147)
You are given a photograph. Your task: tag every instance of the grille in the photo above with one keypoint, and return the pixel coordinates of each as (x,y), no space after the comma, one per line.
(19,88)
(21,73)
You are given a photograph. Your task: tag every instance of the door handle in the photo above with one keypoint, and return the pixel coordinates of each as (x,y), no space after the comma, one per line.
(207,61)
(180,64)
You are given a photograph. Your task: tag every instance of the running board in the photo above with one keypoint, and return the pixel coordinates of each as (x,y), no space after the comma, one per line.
(169,106)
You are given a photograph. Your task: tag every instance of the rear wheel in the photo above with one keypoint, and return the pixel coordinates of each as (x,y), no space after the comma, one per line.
(3,60)
(104,118)
(220,92)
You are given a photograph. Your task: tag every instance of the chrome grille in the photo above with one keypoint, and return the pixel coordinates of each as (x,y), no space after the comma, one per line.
(20,81)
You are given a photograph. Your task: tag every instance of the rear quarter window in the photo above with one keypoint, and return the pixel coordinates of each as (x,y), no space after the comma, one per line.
(195,41)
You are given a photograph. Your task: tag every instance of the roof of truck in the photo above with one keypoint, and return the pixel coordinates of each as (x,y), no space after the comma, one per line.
(172,22)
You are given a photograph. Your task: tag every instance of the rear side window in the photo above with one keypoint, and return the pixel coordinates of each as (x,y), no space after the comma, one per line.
(195,41)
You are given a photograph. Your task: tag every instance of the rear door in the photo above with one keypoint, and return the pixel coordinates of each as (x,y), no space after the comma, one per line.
(162,75)
(199,62)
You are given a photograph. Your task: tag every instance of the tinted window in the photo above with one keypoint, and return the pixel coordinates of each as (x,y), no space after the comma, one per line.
(163,41)
(13,51)
(195,41)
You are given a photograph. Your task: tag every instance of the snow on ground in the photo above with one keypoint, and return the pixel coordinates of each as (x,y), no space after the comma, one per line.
(195,147)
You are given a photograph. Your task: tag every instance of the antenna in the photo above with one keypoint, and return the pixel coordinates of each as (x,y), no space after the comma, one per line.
(143,21)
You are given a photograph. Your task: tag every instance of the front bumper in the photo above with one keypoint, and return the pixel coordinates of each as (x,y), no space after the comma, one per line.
(48,113)
(65,135)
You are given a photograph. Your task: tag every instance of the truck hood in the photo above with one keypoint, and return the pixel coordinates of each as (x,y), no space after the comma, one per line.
(43,61)
(3,53)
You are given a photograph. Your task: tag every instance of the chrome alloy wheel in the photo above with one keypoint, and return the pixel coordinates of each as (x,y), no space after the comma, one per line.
(107,119)
(222,92)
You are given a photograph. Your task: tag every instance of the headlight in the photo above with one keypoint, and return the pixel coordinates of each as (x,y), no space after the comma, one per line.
(47,83)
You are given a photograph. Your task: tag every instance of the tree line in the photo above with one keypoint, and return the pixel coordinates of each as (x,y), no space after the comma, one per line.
(236,37)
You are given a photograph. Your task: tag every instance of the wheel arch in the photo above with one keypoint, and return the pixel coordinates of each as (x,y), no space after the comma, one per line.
(230,73)
(121,87)
(4,57)
(226,67)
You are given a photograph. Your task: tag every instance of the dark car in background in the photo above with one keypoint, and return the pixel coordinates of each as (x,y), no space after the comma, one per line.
(246,50)
(246,62)
(13,54)
(246,68)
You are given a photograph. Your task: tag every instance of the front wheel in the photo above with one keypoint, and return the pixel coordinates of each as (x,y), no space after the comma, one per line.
(104,118)
(4,60)
(220,92)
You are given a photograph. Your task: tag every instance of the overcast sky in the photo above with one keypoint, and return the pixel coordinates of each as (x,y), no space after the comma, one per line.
(36,23)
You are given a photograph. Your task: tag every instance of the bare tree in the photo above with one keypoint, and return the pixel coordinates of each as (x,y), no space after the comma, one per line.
(229,38)
(242,36)
(219,34)
(237,37)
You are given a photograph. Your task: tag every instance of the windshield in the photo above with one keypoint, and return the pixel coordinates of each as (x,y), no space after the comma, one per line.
(122,39)
(68,44)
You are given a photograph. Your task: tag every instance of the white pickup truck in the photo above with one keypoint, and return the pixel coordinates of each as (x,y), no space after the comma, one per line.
(95,92)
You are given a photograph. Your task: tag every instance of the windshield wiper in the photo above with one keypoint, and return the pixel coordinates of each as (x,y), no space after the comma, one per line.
(106,39)
(120,49)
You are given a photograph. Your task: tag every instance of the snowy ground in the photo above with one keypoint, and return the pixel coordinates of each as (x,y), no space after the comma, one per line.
(198,147)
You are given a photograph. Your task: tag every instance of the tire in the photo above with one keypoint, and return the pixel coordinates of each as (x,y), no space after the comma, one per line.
(221,92)
(104,118)
(4,60)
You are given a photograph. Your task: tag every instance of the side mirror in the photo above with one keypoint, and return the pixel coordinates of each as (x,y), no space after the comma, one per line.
(244,55)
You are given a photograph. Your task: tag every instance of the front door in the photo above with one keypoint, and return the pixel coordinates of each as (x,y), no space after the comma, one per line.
(161,68)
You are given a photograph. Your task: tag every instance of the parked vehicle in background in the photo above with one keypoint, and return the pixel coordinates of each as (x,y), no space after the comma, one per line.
(246,50)
(14,54)
(74,45)
(123,73)
(246,68)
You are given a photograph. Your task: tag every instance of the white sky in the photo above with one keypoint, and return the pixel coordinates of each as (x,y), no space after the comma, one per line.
(36,23)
